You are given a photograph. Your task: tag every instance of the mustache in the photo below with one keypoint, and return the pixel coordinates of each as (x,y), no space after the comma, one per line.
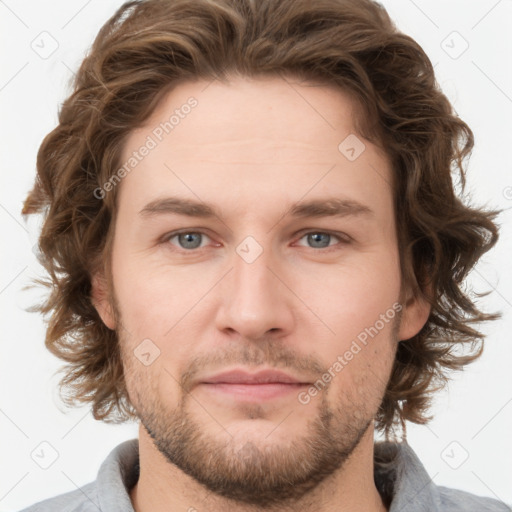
(269,353)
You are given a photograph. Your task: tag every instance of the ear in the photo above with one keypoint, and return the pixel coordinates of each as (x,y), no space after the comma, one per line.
(101,301)
(415,313)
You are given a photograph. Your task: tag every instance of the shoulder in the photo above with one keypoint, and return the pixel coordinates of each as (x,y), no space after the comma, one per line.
(81,500)
(110,491)
(403,481)
(455,500)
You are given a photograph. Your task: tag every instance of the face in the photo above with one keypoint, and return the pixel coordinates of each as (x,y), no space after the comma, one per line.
(249,239)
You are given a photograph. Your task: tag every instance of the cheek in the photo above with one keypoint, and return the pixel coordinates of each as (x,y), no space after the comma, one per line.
(153,297)
(350,298)
(360,306)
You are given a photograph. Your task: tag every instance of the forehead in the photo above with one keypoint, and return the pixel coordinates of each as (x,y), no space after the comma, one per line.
(259,107)
(227,139)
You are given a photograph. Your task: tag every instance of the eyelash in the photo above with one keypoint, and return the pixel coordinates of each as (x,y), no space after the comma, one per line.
(343,239)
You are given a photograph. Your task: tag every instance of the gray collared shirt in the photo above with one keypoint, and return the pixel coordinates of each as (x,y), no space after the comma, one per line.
(399,476)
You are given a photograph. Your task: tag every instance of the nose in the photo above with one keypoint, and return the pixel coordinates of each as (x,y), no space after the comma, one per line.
(255,300)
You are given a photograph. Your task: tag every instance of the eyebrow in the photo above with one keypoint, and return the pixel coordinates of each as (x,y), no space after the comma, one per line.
(329,207)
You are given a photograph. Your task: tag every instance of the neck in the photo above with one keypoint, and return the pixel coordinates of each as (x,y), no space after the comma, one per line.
(163,486)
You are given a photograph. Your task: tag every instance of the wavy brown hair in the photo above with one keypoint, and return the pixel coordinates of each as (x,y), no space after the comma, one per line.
(149,46)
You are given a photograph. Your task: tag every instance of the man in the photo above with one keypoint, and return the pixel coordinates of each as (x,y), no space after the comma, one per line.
(257,252)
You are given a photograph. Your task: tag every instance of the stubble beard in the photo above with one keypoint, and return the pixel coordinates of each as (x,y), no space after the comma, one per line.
(254,472)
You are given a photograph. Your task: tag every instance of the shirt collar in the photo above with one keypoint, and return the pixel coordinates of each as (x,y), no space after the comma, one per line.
(400,474)
(117,475)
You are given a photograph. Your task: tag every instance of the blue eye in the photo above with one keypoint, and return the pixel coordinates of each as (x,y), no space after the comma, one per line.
(321,240)
(318,239)
(188,240)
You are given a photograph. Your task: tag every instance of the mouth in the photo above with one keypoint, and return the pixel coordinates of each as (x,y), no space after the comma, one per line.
(263,385)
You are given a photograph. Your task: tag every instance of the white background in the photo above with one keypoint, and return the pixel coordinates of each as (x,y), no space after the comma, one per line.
(473,418)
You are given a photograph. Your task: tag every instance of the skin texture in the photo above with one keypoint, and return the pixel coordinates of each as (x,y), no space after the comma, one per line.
(251,148)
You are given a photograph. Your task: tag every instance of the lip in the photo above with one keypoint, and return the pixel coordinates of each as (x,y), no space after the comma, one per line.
(253,387)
